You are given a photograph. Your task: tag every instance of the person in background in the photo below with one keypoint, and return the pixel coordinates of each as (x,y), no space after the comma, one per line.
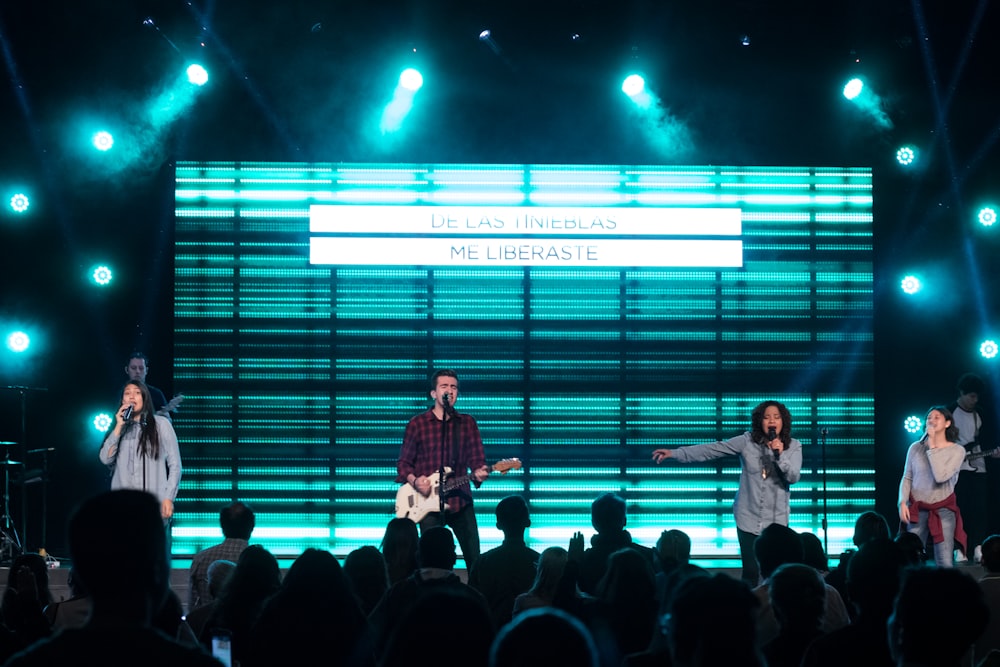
(118,548)
(136,369)
(237,521)
(989,640)
(771,461)
(503,573)
(608,517)
(367,576)
(972,490)
(937,616)
(399,546)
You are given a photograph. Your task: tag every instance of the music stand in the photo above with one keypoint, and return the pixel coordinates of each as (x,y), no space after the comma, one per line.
(10,543)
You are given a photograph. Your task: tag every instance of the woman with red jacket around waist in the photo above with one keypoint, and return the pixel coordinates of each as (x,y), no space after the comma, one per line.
(927,504)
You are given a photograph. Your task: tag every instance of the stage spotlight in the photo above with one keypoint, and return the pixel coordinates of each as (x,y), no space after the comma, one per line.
(911,284)
(988,349)
(853,88)
(987,216)
(410,79)
(396,111)
(19,203)
(102,422)
(103,141)
(486,37)
(906,155)
(633,85)
(913,424)
(18,341)
(197,74)
(101,275)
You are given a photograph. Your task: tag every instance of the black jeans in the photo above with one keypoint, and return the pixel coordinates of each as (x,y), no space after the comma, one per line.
(751,573)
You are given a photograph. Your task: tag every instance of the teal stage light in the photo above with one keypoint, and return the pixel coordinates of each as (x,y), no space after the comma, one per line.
(101,275)
(396,111)
(411,79)
(988,348)
(102,422)
(987,216)
(913,424)
(19,202)
(103,141)
(906,155)
(911,285)
(853,88)
(197,74)
(633,85)
(18,341)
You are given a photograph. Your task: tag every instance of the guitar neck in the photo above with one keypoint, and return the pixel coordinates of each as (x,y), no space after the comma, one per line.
(453,483)
(972,456)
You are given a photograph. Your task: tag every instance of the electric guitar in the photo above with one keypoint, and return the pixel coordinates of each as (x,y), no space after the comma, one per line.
(414,506)
(972,456)
(171,406)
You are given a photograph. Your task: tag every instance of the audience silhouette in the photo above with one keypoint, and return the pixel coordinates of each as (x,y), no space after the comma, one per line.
(938,614)
(712,622)
(990,585)
(436,558)
(607,515)
(873,575)
(542,638)
(533,611)
(503,573)
(237,521)
(313,614)
(367,575)
(255,578)
(779,545)
(126,591)
(798,598)
(399,546)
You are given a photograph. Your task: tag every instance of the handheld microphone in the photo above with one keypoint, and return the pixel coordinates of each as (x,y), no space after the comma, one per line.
(445,399)
(771,435)
(127,414)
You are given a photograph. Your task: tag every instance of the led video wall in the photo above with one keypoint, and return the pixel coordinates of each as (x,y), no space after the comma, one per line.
(593,314)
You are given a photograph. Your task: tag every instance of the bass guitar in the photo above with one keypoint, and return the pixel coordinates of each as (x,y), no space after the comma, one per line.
(414,506)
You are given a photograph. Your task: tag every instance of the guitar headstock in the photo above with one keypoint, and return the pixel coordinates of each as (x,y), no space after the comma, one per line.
(504,465)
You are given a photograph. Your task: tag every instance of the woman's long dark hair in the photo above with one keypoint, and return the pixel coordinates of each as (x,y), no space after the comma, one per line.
(757,419)
(149,437)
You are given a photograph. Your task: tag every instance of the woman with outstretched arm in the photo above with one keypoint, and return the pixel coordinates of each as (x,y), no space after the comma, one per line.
(770,460)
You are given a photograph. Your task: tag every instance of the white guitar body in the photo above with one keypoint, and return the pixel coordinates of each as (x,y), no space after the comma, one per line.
(413,505)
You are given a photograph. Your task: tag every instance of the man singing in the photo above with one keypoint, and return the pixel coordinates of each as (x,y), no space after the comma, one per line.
(443,436)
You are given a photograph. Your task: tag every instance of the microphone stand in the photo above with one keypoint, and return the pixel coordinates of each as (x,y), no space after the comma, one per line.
(23,390)
(822,449)
(445,442)
(44,451)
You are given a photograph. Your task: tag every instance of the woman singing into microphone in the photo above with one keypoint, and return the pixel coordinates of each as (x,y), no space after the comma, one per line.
(771,462)
(927,504)
(142,448)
